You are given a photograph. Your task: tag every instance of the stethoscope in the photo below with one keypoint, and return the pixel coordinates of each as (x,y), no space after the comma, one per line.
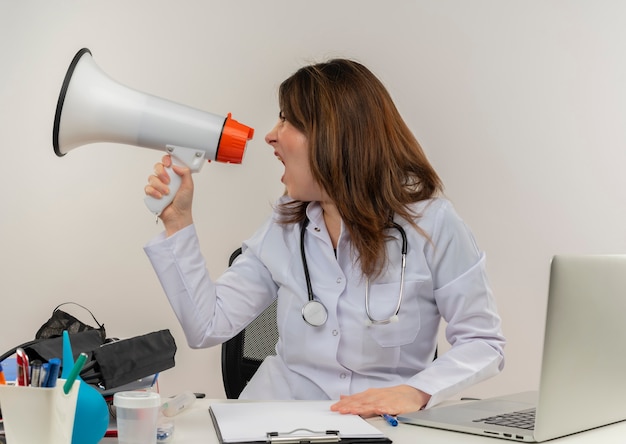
(315,313)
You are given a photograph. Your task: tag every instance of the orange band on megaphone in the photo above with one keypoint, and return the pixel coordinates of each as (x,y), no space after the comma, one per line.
(233,141)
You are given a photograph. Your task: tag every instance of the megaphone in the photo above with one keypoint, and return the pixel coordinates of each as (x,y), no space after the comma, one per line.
(94,108)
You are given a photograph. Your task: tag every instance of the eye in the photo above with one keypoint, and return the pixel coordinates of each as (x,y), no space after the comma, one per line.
(281,117)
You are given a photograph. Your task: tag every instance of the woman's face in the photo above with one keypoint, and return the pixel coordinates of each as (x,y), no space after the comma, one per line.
(292,149)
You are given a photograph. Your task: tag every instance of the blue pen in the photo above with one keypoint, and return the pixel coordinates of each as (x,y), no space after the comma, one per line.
(390,419)
(52,375)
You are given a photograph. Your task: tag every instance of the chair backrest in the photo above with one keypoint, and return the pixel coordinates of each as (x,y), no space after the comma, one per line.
(243,354)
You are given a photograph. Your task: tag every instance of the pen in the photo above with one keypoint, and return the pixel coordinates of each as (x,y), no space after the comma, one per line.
(22,367)
(3,381)
(390,419)
(43,375)
(35,373)
(52,375)
(69,382)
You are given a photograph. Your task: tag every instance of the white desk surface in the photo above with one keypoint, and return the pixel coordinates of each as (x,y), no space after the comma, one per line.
(194,426)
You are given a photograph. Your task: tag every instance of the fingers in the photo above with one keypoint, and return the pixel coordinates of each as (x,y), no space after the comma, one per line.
(160,169)
(161,173)
(368,403)
(151,191)
(377,401)
(164,181)
(158,182)
(167,160)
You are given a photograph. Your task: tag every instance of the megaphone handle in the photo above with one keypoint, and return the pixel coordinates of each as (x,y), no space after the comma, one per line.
(156,206)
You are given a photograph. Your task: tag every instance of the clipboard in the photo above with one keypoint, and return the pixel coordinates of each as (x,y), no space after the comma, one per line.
(290,422)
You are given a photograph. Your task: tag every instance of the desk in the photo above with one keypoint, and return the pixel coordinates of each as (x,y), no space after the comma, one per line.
(194,426)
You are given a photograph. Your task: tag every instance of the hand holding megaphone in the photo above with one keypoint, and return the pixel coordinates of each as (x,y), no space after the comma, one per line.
(94,108)
(157,205)
(177,214)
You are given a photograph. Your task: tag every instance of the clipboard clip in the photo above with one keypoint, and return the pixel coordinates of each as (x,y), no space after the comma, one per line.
(309,437)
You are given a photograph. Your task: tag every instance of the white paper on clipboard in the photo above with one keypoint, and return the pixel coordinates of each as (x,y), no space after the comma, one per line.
(241,422)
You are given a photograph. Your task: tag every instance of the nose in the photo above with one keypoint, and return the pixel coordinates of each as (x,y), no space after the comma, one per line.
(271,136)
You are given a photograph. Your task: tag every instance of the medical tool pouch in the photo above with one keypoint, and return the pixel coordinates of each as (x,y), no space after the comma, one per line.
(121,362)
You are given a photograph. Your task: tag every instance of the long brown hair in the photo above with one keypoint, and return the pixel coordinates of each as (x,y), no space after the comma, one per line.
(361,152)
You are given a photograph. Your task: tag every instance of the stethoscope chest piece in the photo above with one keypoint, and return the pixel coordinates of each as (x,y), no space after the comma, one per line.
(314,313)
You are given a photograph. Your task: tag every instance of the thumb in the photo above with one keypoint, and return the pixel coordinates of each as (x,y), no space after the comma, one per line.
(185,175)
(185,190)
(180,169)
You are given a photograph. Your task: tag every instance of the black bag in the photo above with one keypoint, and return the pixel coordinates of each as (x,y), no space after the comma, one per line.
(111,362)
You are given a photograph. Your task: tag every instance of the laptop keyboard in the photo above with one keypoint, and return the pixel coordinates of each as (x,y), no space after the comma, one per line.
(524,419)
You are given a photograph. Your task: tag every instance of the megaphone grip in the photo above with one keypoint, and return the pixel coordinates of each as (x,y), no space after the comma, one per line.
(156,206)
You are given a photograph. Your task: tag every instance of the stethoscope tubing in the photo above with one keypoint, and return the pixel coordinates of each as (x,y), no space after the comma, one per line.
(315,313)
(394,317)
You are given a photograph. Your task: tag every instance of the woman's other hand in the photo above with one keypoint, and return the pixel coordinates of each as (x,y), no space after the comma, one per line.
(377,401)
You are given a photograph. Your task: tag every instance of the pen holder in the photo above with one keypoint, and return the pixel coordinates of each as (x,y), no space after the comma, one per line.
(38,414)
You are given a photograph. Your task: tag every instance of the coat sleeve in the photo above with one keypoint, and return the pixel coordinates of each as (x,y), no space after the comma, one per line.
(210,312)
(466,303)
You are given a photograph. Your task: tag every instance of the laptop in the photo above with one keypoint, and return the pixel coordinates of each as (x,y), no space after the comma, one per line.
(583,371)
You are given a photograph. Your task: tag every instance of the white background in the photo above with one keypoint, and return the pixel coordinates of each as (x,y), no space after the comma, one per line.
(520,105)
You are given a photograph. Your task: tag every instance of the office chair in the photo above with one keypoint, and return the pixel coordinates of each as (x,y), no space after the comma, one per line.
(243,354)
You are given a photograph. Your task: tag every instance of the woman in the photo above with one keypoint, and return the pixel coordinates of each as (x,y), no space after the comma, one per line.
(361,199)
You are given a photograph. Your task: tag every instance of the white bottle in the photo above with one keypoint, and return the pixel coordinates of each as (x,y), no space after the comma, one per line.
(173,406)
